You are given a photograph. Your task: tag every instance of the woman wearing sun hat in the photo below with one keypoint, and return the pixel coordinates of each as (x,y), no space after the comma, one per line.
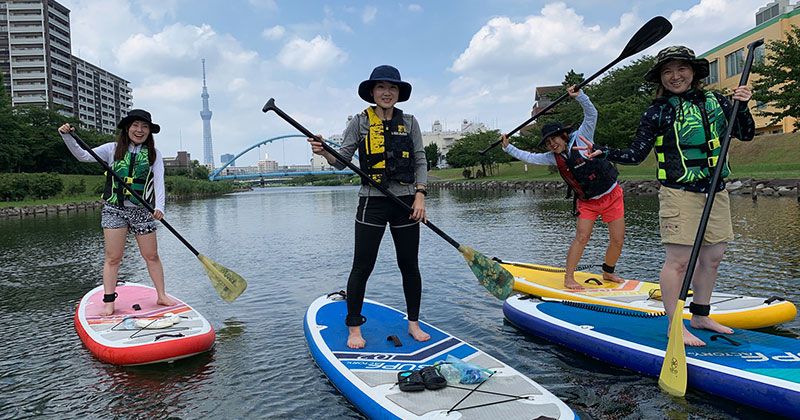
(390,151)
(685,124)
(135,158)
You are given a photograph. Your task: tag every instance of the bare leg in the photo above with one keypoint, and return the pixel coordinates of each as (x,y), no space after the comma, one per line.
(148,247)
(703,281)
(354,338)
(672,274)
(583,231)
(114,247)
(616,237)
(415,331)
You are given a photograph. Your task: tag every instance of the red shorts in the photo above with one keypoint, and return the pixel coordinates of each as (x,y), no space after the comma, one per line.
(609,207)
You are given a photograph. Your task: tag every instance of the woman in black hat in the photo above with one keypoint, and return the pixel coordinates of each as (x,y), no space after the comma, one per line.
(684,124)
(135,158)
(390,151)
(593,181)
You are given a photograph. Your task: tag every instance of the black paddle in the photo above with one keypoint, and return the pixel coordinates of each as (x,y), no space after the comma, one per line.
(496,279)
(228,284)
(652,31)
(673,375)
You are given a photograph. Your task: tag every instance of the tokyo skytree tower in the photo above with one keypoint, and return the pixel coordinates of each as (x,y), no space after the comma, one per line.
(205,114)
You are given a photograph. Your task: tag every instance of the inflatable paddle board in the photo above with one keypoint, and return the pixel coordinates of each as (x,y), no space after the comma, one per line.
(735,311)
(140,331)
(757,369)
(367,377)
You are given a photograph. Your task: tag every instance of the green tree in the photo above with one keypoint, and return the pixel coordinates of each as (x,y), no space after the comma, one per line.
(465,152)
(779,81)
(10,134)
(432,155)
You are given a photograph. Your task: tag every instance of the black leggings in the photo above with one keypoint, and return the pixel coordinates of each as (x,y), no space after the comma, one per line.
(371,218)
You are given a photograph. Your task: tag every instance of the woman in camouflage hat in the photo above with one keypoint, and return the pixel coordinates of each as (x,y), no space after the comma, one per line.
(684,125)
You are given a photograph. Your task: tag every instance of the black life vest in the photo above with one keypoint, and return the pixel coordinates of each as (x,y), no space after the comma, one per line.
(588,178)
(387,151)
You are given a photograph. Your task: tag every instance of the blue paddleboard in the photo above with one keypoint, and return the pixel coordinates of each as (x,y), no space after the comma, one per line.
(757,369)
(367,377)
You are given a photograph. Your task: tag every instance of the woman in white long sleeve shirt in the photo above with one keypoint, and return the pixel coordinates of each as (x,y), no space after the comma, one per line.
(135,158)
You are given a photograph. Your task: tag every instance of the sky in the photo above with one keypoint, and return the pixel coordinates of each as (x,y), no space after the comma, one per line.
(477,60)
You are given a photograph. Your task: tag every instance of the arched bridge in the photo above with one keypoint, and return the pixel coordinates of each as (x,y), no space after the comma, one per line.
(216,174)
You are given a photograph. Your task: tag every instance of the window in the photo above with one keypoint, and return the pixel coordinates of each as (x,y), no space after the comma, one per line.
(734,63)
(759,53)
(713,72)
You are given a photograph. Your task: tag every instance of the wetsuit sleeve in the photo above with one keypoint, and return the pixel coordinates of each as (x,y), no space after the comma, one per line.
(744,128)
(351,137)
(158,182)
(532,158)
(589,123)
(420,161)
(105,151)
(643,140)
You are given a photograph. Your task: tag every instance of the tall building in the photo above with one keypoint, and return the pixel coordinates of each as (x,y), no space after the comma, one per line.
(773,22)
(39,69)
(227,157)
(205,114)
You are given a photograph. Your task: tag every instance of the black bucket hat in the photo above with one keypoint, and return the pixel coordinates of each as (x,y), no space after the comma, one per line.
(140,115)
(384,74)
(552,129)
(677,52)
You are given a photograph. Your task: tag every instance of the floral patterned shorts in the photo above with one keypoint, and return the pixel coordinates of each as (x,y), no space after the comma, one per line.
(137,219)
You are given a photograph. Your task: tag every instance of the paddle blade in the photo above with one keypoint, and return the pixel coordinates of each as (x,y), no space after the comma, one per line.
(673,372)
(496,279)
(229,285)
(652,31)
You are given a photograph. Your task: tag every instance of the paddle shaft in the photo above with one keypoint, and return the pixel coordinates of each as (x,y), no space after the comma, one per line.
(131,190)
(723,154)
(650,33)
(270,106)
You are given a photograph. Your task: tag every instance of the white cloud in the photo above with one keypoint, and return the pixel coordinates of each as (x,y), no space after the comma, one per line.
(414,8)
(369,13)
(159,9)
(702,26)
(273,33)
(317,54)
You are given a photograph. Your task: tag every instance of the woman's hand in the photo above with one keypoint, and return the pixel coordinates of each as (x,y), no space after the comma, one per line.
(158,215)
(742,93)
(418,208)
(505,141)
(589,148)
(66,128)
(572,92)
(316,145)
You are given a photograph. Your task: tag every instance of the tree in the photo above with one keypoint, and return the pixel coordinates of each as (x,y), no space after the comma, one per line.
(465,152)
(779,81)
(10,133)
(432,155)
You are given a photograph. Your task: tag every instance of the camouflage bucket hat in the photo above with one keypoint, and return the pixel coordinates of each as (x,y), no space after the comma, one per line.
(677,52)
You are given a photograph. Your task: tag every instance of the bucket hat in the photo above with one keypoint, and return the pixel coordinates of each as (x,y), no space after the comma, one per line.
(677,52)
(384,74)
(140,115)
(552,129)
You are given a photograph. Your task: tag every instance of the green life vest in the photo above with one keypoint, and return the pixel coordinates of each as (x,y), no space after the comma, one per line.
(134,168)
(689,152)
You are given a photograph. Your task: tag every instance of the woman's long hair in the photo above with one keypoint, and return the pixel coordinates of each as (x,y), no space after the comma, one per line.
(123,141)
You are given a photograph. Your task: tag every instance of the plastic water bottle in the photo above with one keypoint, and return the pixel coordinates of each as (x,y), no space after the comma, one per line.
(129,323)
(450,372)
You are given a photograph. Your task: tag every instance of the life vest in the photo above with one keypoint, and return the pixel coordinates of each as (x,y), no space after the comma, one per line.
(689,151)
(134,168)
(588,178)
(387,151)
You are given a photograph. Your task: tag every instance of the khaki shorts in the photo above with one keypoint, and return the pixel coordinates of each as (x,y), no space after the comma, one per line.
(679,216)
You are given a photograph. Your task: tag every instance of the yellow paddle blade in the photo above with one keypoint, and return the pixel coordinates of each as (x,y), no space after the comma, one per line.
(496,279)
(229,285)
(673,371)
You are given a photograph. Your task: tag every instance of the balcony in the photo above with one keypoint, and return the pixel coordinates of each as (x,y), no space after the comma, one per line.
(21,87)
(18,29)
(31,5)
(30,75)
(26,18)
(21,52)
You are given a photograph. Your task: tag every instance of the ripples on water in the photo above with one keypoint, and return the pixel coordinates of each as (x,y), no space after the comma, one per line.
(294,244)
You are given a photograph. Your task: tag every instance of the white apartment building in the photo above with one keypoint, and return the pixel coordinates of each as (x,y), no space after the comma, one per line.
(445,139)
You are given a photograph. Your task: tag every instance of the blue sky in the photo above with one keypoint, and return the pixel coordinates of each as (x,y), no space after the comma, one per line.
(474,59)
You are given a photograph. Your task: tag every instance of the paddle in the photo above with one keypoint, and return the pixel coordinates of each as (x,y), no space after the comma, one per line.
(496,279)
(228,284)
(650,33)
(673,375)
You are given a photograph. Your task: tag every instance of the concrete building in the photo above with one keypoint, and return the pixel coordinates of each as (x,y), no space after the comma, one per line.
(182,160)
(227,157)
(773,22)
(39,69)
(267,165)
(445,139)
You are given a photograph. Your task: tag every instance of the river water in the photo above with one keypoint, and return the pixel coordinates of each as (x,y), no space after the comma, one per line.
(295,244)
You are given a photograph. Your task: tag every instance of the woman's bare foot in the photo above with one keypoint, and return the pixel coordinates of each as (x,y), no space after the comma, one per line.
(415,331)
(613,277)
(570,283)
(689,339)
(354,338)
(165,301)
(108,309)
(706,323)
